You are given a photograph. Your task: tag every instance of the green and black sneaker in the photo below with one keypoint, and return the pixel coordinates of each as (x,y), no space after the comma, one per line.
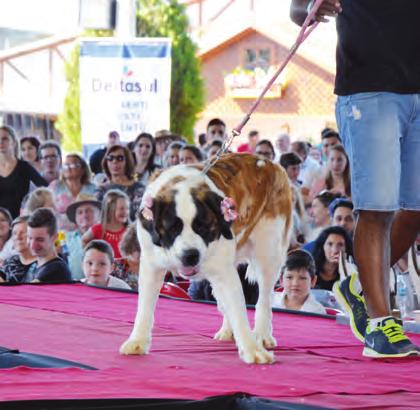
(354,305)
(387,340)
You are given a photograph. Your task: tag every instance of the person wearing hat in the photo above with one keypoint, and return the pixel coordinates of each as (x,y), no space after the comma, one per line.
(84,212)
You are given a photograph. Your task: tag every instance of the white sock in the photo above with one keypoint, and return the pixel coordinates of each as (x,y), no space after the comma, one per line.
(357,286)
(377,320)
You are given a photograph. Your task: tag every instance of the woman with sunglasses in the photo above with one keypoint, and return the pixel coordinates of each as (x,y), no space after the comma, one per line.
(75,179)
(144,149)
(118,166)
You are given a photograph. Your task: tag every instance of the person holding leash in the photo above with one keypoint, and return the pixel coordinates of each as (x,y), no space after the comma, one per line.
(378,114)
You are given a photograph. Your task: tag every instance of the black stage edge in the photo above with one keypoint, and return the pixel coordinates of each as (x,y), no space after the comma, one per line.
(13,358)
(237,401)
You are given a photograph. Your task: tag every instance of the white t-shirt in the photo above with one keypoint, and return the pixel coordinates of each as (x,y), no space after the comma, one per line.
(310,170)
(114,282)
(311,304)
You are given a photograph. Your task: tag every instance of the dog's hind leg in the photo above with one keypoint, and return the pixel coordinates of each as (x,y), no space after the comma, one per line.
(265,268)
(263,329)
(227,289)
(150,283)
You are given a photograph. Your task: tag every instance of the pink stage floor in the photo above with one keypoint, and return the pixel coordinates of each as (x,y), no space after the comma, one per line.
(318,361)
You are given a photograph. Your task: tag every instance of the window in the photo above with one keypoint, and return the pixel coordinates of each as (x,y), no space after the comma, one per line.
(257,57)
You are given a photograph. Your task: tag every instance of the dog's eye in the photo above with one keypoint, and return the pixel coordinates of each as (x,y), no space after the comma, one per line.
(173,226)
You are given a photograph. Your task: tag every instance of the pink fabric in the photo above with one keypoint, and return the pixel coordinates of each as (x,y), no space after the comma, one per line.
(316,357)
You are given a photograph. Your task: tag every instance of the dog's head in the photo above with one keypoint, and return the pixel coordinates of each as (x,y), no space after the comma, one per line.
(185,220)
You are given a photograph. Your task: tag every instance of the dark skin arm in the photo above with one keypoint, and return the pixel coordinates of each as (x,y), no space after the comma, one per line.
(329,8)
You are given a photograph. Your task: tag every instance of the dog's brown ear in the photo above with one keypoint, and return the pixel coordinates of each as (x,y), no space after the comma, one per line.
(213,201)
(150,226)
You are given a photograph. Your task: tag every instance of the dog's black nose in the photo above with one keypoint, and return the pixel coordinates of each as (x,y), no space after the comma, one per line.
(190,257)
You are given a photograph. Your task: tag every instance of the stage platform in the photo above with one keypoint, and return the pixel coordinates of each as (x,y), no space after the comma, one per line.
(319,362)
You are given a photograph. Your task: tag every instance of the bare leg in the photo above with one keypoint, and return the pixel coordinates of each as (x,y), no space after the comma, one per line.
(405,229)
(372,253)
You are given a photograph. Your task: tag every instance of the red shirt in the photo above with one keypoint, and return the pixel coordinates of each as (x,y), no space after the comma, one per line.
(244,148)
(113,238)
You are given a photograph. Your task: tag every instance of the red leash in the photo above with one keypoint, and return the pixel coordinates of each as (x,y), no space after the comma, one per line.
(306,30)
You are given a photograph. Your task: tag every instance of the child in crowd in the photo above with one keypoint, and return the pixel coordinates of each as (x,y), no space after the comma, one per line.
(97,266)
(172,154)
(114,220)
(190,154)
(297,278)
(39,198)
(127,268)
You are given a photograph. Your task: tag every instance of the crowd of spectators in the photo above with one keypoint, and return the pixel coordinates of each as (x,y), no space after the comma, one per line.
(64,218)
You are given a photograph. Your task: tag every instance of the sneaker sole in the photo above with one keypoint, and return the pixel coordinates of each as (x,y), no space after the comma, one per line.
(373,354)
(349,311)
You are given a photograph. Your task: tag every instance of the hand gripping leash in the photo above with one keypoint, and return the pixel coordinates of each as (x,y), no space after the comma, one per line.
(306,30)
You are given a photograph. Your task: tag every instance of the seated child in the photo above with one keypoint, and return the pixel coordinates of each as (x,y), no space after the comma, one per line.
(297,278)
(127,268)
(97,265)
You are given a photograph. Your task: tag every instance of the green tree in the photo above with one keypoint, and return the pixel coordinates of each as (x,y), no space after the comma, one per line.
(161,18)
(68,122)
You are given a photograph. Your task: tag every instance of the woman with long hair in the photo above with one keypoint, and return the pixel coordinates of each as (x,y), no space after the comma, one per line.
(144,149)
(319,213)
(74,180)
(337,177)
(29,148)
(328,247)
(16,175)
(118,166)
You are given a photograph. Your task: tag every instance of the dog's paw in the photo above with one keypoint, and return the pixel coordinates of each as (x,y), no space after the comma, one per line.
(266,340)
(258,356)
(134,346)
(269,342)
(224,335)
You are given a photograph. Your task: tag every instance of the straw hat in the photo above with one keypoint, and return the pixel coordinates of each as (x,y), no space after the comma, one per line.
(82,199)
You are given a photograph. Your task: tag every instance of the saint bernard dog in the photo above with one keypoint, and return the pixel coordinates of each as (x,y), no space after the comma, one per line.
(200,226)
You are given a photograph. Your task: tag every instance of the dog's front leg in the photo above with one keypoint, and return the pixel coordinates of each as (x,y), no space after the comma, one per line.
(150,283)
(227,289)
(225,332)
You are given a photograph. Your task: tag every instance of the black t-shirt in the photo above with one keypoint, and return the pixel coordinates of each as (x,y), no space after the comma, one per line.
(326,284)
(55,270)
(378,47)
(15,271)
(14,187)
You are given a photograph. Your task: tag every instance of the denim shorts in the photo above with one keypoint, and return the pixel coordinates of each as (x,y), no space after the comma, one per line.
(381,135)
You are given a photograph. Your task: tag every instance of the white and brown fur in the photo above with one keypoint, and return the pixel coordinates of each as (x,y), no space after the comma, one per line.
(187,215)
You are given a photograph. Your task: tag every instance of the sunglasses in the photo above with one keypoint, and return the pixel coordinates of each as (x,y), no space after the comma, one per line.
(71,166)
(118,158)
